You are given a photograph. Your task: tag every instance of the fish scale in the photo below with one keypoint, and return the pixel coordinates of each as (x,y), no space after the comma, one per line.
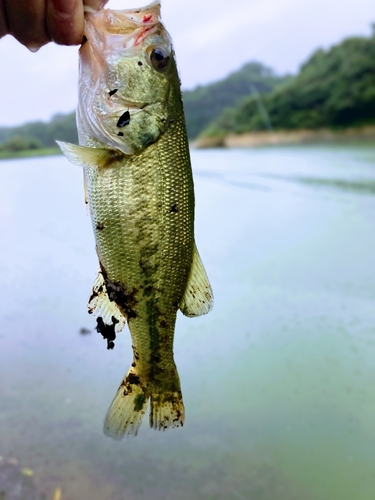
(141,198)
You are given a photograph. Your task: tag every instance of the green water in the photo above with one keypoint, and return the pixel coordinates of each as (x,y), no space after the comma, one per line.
(278,380)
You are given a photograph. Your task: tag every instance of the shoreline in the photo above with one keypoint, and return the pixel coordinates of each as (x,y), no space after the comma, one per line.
(254,139)
(30,153)
(287,137)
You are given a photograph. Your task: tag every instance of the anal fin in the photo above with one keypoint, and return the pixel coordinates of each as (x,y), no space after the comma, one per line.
(198,298)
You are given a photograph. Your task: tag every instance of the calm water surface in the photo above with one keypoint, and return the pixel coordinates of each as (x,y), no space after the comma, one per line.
(278,381)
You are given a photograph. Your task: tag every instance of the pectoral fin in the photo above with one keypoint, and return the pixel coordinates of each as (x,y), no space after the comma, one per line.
(89,157)
(198,298)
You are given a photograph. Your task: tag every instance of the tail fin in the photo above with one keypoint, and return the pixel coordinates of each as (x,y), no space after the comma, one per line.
(127,409)
(167,410)
(130,403)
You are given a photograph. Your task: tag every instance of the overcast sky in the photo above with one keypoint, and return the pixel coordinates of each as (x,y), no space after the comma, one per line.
(211,39)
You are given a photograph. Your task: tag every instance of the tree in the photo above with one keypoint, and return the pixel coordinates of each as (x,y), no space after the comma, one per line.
(334,88)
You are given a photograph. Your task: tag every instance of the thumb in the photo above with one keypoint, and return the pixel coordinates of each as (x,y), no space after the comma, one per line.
(95,4)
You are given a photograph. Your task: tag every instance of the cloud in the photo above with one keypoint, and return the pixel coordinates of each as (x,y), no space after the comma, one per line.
(35,86)
(219,26)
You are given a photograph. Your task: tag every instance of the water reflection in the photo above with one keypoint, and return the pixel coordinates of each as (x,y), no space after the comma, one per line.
(278,381)
(366,186)
(220,177)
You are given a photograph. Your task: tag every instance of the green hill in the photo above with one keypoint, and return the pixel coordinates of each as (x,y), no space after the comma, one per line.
(202,105)
(205,103)
(34,135)
(334,89)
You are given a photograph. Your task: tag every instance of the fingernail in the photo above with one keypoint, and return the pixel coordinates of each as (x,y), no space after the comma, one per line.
(65,8)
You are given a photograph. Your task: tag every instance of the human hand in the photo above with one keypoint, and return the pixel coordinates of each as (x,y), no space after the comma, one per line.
(37,22)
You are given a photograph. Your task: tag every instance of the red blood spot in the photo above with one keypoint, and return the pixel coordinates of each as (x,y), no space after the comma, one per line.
(141,35)
(147,19)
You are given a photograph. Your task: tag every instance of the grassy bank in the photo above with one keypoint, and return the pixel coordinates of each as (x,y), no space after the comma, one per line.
(27,153)
(281,137)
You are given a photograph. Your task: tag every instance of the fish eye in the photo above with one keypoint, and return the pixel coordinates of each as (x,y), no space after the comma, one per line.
(159,58)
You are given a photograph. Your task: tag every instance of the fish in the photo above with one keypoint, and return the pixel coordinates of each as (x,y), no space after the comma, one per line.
(134,151)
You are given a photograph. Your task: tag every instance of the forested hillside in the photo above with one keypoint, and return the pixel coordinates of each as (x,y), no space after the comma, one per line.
(203,104)
(334,89)
(39,134)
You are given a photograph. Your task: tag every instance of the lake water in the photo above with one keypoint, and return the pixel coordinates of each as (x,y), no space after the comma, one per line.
(278,380)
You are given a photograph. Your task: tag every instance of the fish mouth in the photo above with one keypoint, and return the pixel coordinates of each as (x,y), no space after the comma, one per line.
(131,25)
(110,109)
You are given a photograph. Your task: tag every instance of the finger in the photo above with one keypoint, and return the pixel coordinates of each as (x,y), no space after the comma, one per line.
(26,22)
(3,20)
(95,4)
(64,21)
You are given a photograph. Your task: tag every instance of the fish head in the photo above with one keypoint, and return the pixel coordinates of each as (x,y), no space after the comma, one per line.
(127,75)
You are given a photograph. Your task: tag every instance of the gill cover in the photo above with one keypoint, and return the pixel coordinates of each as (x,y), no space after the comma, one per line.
(126,66)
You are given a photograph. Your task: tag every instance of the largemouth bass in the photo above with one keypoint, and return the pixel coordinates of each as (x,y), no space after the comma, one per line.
(135,155)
